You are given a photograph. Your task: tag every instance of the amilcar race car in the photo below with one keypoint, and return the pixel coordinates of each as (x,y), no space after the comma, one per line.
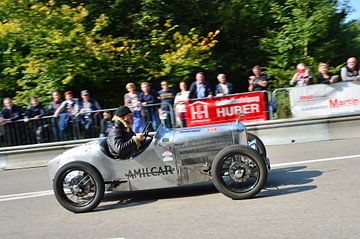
(232,158)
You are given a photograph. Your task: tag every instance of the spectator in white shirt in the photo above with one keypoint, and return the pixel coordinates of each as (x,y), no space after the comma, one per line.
(179,103)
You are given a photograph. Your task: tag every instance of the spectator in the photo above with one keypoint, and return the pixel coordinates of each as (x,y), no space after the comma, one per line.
(200,89)
(326,77)
(2,120)
(2,131)
(147,97)
(87,116)
(132,100)
(53,106)
(224,87)
(258,81)
(350,72)
(35,112)
(106,124)
(10,113)
(67,113)
(302,77)
(166,96)
(179,103)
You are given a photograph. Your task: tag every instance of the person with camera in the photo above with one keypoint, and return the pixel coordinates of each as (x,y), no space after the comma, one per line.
(302,76)
(258,81)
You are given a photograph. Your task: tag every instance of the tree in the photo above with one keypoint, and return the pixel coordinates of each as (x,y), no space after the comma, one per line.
(54,46)
(101,45)
(303,30)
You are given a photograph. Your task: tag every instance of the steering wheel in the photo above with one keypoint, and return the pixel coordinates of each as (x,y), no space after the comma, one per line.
(144,143)
(146,130)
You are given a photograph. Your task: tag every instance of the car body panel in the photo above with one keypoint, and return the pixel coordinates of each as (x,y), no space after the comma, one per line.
(174,157)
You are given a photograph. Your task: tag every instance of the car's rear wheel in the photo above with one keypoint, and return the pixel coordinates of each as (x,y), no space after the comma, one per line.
(78,187)
(238,172)
(259,145)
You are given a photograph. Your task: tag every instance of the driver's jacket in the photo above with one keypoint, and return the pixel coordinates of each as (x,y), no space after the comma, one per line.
(122,141)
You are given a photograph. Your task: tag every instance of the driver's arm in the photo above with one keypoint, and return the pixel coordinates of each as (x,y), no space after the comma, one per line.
(121,147)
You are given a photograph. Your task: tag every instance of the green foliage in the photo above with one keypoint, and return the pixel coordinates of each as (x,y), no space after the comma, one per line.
(59,51)
(280,77)
(55,46)
(304,33)
(48,45)
(283,110)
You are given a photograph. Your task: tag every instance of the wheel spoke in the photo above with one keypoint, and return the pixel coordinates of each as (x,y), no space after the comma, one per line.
(239,173)
(79,187)
(85,180)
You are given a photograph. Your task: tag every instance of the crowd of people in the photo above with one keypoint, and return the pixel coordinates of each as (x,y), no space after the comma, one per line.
(304,76)
(66,114)
(160,107)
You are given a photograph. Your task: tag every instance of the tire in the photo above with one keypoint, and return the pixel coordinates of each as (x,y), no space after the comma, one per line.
(238,172)
(260,147)
(78,176)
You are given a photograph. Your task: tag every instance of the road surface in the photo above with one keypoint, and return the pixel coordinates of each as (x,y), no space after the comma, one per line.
(312,192)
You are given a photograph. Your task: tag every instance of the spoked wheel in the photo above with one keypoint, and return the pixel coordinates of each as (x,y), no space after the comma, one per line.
(78,187)
(238,172)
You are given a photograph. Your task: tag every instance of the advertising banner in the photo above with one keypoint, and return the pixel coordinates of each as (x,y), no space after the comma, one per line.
(325,100)
(226,109)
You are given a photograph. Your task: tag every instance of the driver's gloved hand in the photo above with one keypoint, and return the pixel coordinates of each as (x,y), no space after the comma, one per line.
(140,137)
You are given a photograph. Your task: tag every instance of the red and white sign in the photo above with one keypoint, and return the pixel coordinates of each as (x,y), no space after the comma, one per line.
(325,100)
(226,109)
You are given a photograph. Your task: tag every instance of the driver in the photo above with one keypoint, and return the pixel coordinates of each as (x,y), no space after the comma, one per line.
(122,141)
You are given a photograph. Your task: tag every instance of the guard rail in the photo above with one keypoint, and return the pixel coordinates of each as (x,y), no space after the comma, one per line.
(272,132)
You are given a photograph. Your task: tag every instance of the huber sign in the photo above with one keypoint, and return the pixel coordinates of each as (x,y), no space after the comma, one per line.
(226,109)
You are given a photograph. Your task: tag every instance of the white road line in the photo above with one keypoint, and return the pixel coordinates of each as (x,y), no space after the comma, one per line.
(25,194)
(313,161)
(12,197)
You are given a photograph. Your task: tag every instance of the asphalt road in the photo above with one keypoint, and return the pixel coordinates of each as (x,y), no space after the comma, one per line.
(312,192)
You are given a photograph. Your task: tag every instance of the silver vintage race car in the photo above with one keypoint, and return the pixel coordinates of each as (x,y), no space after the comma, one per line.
(233,159)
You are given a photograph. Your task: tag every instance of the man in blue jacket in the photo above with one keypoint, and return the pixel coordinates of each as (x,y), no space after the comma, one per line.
(200,89)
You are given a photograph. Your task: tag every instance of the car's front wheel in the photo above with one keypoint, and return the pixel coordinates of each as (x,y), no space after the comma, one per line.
(238,172)
(78,187)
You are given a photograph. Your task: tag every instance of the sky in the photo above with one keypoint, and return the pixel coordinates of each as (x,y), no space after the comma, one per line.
(355,4)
